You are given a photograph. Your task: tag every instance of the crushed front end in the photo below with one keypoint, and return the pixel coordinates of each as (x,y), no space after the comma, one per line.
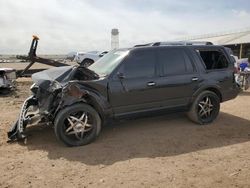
(48,94)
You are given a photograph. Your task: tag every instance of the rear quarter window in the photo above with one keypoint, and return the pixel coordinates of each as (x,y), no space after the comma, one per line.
(213,59)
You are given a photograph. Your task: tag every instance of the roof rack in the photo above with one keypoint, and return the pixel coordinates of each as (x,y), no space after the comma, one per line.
(141,45)
(175,43)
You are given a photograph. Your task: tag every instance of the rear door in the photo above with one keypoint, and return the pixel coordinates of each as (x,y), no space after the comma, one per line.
(179,78)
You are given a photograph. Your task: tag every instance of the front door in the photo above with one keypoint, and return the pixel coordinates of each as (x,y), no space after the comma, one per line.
(133,86)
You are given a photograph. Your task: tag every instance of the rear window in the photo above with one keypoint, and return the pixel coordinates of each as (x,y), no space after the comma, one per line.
(213,59)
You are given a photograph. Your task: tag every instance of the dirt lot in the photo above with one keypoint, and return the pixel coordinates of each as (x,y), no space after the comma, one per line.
(165,151)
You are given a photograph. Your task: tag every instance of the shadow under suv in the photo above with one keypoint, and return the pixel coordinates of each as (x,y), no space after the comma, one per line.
(77,101)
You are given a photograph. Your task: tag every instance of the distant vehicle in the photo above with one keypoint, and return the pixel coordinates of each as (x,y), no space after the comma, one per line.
(87,58)
(71,56)
(125,83)
(7,80)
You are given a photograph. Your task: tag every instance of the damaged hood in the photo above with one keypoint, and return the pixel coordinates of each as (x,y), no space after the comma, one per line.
(46,78)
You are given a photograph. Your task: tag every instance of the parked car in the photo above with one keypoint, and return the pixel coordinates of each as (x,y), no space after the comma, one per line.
(71,56)
(87,58)
(137,81)
(7,80)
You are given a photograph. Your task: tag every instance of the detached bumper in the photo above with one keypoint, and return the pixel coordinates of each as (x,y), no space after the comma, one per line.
(17,131)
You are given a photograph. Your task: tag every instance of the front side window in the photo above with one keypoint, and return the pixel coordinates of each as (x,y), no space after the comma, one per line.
(139,64)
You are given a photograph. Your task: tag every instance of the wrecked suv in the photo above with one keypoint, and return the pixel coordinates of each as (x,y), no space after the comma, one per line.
(78,101)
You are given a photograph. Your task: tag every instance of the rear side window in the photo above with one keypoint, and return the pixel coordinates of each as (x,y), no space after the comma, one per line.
(213,59)
(140,64)
(174,61)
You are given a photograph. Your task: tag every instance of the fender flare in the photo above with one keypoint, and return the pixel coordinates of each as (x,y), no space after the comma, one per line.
(214,88)
(90,100)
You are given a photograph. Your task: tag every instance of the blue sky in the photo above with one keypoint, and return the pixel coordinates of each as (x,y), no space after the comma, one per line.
(82,25)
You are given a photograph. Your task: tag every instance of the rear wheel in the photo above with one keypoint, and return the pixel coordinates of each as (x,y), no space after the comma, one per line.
(205,108)
(77,125)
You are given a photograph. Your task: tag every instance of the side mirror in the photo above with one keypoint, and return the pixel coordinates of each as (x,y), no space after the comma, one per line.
(120,75)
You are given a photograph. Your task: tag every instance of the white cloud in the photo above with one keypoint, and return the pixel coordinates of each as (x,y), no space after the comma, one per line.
(241,13)
(68,25)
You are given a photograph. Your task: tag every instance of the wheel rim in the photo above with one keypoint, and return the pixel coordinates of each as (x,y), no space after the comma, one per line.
(78,125)
(205,108)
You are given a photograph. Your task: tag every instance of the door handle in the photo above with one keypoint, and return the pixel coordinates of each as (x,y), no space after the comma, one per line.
(195,79)
(151,84)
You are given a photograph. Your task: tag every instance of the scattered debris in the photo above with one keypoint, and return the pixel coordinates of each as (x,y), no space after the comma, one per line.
(235,173)
(7,80)
(32,58)
(102,180)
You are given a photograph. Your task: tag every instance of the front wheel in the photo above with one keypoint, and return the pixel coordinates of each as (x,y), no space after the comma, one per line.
(77,125)
(205,108)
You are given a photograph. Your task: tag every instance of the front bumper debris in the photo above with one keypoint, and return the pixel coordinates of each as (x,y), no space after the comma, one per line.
(27,116)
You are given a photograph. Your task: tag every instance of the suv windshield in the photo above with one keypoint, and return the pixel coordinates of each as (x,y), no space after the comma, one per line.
(105,65)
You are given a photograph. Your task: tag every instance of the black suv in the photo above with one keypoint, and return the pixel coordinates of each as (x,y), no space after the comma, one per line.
(128,82)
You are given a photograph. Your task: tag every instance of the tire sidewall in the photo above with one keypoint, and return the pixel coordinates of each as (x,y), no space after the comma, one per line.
(215,101)
(63,114)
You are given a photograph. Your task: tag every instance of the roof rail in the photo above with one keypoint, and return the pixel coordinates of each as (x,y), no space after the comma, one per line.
(141,45)
(176,43)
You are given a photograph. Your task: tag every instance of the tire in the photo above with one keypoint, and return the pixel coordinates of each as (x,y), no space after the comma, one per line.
(73,132)
(200,111)
(5,91)
(86,62)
